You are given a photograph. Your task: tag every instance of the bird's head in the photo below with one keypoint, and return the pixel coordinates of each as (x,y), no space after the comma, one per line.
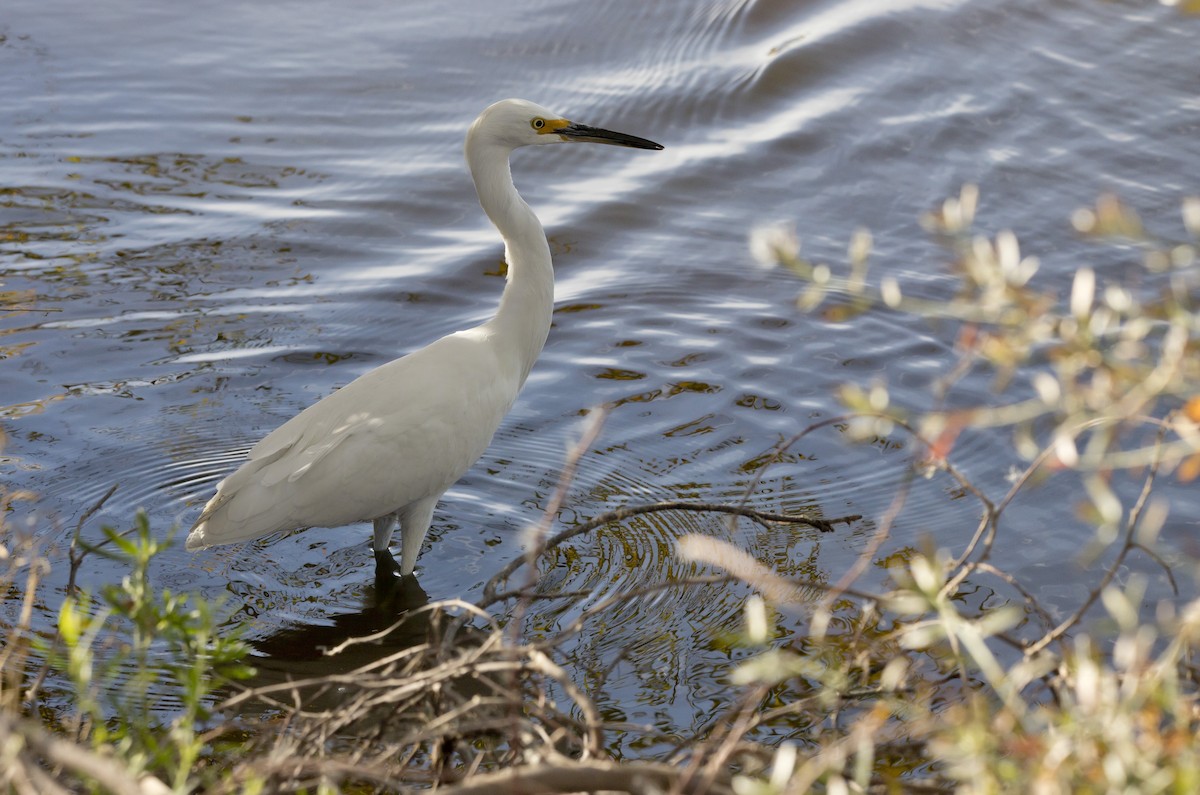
(518,122)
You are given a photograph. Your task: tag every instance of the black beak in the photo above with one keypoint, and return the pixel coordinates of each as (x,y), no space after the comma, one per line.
(581,132)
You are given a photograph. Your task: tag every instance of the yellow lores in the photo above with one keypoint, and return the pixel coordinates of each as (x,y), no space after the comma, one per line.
(544,126)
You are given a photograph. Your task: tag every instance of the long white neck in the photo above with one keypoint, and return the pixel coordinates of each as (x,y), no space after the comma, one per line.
(522,323)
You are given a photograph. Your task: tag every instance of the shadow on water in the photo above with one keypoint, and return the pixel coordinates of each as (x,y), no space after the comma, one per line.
(378,674)
(314,667)
(390,620)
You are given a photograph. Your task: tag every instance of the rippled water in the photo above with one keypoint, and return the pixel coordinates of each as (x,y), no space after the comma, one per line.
(211,217)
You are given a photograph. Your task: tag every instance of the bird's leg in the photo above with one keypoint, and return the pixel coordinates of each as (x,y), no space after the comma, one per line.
(386,567)
(414,524)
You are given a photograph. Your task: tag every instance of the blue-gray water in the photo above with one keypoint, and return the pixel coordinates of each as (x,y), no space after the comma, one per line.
(215,213)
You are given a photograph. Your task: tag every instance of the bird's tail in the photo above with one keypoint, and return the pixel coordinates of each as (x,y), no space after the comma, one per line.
(239,512)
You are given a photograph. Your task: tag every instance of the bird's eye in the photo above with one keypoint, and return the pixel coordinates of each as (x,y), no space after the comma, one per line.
(538,124)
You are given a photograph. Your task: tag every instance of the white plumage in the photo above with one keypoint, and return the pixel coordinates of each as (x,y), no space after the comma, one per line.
(386,446)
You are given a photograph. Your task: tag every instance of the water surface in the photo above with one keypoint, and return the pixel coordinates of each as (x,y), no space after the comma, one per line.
(213,216)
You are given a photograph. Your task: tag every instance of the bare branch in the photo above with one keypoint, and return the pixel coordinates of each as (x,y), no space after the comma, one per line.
(557,774)
(490,591)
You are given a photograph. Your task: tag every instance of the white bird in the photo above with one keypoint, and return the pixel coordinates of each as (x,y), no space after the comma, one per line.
(386,446)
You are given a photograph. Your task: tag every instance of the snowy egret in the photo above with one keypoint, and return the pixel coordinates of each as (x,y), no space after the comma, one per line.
(386,446)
